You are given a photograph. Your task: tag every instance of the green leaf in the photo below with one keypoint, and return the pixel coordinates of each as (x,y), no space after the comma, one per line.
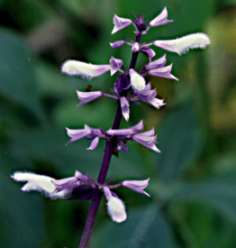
(218,193)
(17,78)
(146,227)
(22,220)
(180,142)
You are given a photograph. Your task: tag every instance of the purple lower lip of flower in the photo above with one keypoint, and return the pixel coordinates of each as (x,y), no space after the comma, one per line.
(147,139)
(124,104)
(138,186)
(120,23)
(86,97)
(77,134)
(86,132)
(150,53)
(163,72)
(156,63)
(126,132)
(94,144)
(116,65)
(161,19)
(117,44)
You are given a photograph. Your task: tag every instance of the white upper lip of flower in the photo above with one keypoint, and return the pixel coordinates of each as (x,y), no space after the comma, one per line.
(137,80)
(35,182)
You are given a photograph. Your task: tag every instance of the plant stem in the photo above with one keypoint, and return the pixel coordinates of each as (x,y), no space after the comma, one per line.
(92,212)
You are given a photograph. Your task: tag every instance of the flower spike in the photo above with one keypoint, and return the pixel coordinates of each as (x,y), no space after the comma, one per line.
(138,186)
(185,43)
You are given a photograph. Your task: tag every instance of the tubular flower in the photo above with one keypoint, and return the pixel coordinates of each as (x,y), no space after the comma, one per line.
(93,134)
(137,185)
(56,189)
(120,23)
(184,44)
(161,19)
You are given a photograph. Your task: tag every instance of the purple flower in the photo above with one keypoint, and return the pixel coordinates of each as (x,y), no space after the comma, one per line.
(117,44)
(147,139)
(149,52)
(116,65)
(124,104)
(156,63)
(137,185)
(185,43)
(161,19)
(163,72)
(120,23)
(87,132)
(115,206)
(86,97)
(148,95)
(56,189)
(126,132)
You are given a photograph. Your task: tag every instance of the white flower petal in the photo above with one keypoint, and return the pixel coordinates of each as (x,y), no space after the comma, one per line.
(35,182)
(137,81)
(87,70)
(185,43)
(116,209)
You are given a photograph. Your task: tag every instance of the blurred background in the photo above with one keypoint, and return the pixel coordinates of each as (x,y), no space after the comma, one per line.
(193,180)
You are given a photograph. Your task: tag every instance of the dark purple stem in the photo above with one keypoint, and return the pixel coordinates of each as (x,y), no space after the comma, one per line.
(92,212)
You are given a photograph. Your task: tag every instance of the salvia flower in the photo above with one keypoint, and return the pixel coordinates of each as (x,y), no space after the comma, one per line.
(161,19)
(93,134)
(82,187)
(184,44)
(56,189)
(147,138)
(120,23)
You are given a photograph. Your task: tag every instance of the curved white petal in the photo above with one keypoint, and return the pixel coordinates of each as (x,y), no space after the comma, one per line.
(87,70)
(116,209)
(35,182)
(185,43)
(137,80)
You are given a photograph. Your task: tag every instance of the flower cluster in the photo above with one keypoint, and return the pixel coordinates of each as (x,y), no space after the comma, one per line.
(129,87)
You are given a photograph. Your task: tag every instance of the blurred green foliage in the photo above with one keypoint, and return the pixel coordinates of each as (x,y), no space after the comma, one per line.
(193,180)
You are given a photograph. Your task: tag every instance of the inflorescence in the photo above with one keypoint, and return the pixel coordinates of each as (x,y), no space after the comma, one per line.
(130,86)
